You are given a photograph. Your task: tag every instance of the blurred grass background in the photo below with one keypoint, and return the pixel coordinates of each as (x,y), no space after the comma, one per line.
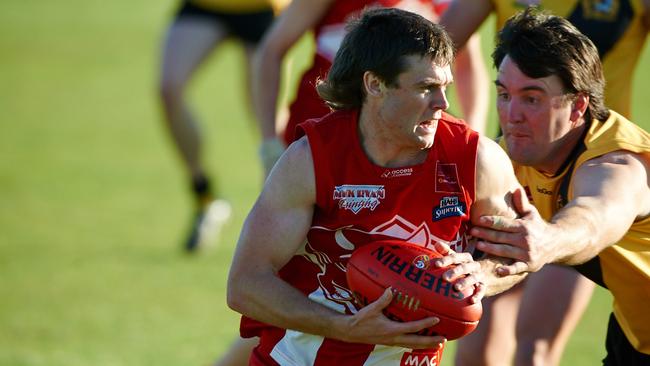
(93,199)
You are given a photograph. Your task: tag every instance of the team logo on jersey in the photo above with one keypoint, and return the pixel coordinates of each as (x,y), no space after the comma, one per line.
(357,197)
(543,190)
(447,178)
(394,173)
(449,206)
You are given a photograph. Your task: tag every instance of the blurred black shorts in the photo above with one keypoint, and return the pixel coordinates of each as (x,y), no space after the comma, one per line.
(248,27)
(619,350)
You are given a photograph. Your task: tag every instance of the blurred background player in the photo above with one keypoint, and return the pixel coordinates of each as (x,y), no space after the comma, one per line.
(198,28)
(618,29)
(326,19)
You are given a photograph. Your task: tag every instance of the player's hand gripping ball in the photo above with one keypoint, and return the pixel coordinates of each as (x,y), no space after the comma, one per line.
(418,288)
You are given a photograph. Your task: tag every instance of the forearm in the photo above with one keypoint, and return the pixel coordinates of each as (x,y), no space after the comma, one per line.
(267,298)
(581,230)
(266,86)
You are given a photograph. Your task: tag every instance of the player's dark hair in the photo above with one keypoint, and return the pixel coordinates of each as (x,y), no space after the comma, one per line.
(378,41)
(542,45)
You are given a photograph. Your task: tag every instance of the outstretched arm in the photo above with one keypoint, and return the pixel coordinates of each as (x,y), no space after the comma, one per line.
(273,232)
(609,193)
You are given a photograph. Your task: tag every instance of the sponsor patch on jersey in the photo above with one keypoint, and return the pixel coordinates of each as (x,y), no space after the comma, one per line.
(357,197)
(394,173)
(447,178)
(420,358)
(449,206)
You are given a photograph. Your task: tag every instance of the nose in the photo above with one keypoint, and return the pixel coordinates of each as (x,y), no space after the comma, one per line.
(510,111)
(439,100)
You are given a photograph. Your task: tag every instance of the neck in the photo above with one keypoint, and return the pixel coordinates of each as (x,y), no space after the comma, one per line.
(382,149)
(573,141)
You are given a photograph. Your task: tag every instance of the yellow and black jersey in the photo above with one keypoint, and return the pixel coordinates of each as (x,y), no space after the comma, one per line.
(616,28)
(623,268)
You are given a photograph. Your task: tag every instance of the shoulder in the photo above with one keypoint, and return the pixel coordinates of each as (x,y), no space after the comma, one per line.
(292,179)
(494,171)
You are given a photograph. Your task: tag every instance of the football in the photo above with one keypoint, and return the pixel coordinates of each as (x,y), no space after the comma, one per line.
(418,288)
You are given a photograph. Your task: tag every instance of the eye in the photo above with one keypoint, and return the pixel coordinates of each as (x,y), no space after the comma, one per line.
(531,100)
(503,96)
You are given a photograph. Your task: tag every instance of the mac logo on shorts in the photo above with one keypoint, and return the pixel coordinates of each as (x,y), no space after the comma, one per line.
(357,197)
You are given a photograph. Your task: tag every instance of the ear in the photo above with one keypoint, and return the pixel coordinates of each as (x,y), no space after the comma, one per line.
(579,106)
(372,85)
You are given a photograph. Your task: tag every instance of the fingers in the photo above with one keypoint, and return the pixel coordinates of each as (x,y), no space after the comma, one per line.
(420,342)
(520,201)
(513,269)
(453,258)
(442,248)
(499,223)
(503,250)
(478,294)
(383,301)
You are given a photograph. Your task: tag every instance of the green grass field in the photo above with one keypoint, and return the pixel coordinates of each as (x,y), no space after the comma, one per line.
(94,203)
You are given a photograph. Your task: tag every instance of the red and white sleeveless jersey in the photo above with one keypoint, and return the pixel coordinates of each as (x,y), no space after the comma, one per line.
(358,202)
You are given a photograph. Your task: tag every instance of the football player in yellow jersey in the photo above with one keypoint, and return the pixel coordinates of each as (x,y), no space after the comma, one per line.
(586,170)
(619,29)
(199,27)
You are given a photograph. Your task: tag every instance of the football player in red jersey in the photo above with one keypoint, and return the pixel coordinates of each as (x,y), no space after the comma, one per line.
(381,165)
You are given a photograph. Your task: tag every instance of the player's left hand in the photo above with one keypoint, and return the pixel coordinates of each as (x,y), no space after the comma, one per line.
(525,239)
(465,273)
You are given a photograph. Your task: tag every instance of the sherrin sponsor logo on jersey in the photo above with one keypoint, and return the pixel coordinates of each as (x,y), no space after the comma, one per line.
(449,206)
(357,197)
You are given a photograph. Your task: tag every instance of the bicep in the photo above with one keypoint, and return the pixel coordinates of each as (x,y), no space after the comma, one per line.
(614,188)
(278,223)
(495,182)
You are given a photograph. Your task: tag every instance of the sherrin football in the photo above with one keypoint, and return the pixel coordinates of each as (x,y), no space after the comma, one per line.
(418,288)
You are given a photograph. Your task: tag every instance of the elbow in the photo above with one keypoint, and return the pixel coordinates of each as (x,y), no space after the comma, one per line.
(235,297)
